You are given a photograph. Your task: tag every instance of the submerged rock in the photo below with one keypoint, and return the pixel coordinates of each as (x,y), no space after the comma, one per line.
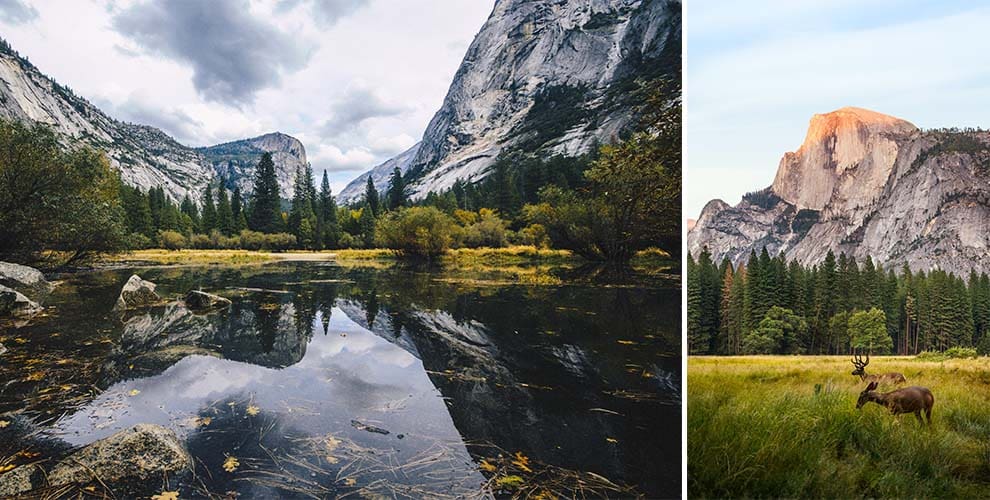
(137,293)
(142,452)
(14,303)
(198,301)
(27,280)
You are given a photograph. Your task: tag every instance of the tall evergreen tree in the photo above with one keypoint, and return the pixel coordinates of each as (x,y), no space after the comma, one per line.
(371,199)
(237,217)
(302,217)
(189,209)
(329,230)
(367,222)
(396,190)
(266,210)
(209,219)
(225,213)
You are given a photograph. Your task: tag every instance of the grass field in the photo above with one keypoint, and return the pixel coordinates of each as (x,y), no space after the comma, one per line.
(787,426)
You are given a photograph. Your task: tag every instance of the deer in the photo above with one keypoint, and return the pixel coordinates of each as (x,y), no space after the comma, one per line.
(892,377)
(907,400)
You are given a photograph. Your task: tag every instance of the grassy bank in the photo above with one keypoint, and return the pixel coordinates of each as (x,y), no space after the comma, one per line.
(787,426)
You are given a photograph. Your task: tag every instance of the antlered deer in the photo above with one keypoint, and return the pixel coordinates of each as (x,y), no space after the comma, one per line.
(893,377)
(907,400)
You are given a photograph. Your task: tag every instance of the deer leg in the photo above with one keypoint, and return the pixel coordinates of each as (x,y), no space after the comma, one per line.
(917,414)
(928,414)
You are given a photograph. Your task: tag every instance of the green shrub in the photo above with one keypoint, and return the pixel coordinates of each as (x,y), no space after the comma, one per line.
(200,241)
(279,242)
(251,240)
(420,232)
(172,240)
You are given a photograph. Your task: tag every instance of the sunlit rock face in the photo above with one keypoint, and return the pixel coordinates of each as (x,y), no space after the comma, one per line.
(545,76)
(844,161)
(865,184)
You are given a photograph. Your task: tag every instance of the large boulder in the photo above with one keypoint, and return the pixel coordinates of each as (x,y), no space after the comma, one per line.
(131,461)
(27,280)
(200,301)
(137,293)
(14,303)
(143,452)
(19,480)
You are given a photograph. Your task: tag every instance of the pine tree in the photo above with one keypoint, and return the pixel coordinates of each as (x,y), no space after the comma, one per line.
(367,222)
(302,217)
(237,217)
(371,199)
(396,190)
(189,209)
(209,219)
(225,213)
(728,324)
(329,230)
(696,335)
(266,212)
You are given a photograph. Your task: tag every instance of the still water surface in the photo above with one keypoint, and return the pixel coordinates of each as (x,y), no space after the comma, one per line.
(323,380)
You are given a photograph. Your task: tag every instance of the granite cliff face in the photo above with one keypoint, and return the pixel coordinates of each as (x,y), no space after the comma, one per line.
(235,161)
(145,156)
(550,77)
(865,184)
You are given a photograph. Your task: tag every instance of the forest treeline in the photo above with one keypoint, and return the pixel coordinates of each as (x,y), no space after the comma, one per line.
(769,305)
(62,201)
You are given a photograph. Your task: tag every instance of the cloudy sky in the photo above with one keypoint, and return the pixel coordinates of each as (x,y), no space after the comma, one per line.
(355,80)
(756,75)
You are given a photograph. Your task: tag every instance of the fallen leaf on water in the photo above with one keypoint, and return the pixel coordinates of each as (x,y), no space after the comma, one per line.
(486,466)
(331,459)
(522,461)
(35,376)
(166,495)
(90,488)
(253,410)
(231,464)
(627,342)
(612,440)
(65,387)
(4,423)
(332,443)
(134,392)
(5,468)
(202,421)
(350,481)
(510,482)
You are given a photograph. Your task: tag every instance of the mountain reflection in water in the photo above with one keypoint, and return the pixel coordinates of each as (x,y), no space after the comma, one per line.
(312,364)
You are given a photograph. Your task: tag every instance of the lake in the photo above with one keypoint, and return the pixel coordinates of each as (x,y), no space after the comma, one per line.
(323,381)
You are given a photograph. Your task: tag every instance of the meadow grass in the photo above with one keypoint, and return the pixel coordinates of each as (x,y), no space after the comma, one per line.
(787,426)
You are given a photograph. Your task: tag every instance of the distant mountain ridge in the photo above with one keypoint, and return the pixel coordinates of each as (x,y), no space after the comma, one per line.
(145,156)
(865,184)
(235,161)
(549,77)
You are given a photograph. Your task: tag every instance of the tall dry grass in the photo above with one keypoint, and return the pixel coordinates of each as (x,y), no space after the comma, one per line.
(787,426)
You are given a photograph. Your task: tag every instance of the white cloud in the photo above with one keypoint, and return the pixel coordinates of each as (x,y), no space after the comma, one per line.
(404,53)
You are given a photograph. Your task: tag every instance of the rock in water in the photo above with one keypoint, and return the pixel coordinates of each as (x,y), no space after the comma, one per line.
(26,280)
(14,303)
(137,293)
(198,301)
(144,452)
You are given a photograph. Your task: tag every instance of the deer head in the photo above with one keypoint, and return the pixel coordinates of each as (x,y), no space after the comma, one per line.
(867,395)
(860,364)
